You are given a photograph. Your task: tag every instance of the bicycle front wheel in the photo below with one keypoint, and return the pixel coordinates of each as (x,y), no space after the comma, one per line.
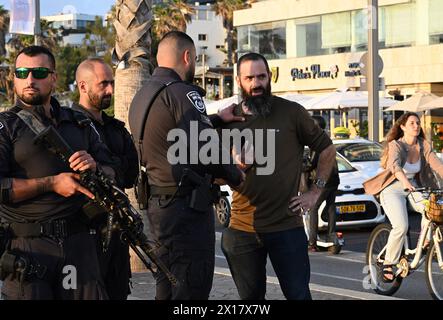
(374,259)
(434,273)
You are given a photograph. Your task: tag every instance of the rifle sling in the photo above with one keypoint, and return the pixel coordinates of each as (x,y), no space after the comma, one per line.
(31,121)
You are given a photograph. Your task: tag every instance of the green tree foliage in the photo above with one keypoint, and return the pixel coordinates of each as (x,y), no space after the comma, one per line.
(225,9)
(169,16)
(4,25)
(100,38)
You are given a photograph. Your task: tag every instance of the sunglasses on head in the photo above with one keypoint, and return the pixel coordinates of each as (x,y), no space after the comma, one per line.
(37,73)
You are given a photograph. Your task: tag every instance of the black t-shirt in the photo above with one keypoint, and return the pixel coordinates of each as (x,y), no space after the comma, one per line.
(21,158)
(114,134)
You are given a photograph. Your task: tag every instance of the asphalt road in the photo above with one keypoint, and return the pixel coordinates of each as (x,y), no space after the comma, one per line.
(346,270)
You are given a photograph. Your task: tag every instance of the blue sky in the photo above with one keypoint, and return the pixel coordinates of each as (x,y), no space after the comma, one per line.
(49,7)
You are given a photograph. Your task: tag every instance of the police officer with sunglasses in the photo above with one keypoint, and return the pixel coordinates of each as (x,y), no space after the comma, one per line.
(51,249)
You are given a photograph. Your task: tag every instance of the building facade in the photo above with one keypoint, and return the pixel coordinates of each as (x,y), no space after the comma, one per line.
(74,23)
(207,31)
(317,46)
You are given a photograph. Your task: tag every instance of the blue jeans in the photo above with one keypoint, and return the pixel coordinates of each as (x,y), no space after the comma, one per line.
(247,253)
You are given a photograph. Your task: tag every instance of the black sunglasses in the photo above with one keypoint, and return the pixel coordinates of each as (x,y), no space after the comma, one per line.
(37,73)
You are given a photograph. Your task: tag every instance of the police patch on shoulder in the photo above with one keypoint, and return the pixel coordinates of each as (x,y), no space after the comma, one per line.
(196,100)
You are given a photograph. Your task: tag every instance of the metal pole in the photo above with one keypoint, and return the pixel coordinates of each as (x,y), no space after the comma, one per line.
(204,68)
(37,30)
(222,85)
(372,79)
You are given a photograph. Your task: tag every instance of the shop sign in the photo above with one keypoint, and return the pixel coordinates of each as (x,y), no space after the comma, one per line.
(274,74)
(354,69)
(314,72)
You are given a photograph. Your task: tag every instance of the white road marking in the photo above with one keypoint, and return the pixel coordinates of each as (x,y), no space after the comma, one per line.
(336,277)
(325,289)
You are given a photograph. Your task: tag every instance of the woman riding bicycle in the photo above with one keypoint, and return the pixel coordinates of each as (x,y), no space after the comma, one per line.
(411,161)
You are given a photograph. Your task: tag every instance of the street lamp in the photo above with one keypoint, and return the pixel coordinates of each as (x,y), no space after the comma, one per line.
(203,53)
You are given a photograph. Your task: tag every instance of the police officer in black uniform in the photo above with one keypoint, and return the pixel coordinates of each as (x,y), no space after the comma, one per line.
(95,83)
(52,250)
(183,227)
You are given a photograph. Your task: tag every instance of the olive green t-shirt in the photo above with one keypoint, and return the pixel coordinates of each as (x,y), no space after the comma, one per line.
(262,204)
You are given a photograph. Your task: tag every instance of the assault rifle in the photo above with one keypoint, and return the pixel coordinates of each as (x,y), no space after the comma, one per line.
(121,214)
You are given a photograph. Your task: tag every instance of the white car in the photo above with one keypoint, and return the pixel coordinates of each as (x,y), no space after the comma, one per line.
(354,208)
(363,154)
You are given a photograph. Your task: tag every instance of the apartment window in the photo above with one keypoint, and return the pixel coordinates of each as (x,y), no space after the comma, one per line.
(359,30)
(267,38)
(435,21)
(202,14)
(399,25)
(81,24)
(202,37)
(305,36)
(219,46)
(336,32)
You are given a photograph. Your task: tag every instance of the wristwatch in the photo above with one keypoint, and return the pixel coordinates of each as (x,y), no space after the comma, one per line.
(320,183)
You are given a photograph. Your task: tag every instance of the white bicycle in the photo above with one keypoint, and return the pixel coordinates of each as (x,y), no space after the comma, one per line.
(411,259)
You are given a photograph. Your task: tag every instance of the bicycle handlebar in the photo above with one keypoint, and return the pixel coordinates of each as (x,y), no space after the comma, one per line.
(426,189)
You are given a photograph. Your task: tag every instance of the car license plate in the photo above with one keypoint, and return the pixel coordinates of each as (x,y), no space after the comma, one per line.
(352,208)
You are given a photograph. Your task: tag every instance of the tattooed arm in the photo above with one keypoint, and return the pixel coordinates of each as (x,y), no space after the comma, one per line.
(65,184)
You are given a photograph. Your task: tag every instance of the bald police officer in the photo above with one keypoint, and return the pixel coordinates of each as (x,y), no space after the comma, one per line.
(95,83)
(184,229)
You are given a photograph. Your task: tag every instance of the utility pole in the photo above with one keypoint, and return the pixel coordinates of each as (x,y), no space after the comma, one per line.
(372,78)
(37,29)
(203,51)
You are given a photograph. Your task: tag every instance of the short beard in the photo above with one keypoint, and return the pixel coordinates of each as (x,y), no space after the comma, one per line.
(189,75)
(34,100)
(100,103)
(258,105)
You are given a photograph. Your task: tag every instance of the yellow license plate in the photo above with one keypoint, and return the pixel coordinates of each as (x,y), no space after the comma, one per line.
(352,208)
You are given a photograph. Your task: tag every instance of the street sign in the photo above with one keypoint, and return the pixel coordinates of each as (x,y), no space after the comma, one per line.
(364,65)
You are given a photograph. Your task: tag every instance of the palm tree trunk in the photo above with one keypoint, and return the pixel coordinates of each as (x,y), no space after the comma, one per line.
(132,51)
(2,43)
(133,20)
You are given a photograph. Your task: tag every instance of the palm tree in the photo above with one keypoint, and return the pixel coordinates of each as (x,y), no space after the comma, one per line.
(132,51)
(225,9)
(163,21)
(182,13)
(4,25)
(133,21)
(171,16)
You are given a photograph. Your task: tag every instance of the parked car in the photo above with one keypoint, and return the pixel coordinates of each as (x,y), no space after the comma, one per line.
(363,154)
(354,208)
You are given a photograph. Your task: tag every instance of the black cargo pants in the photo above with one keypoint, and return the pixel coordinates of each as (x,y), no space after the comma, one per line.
(115,267)
(188,239)
(72,270)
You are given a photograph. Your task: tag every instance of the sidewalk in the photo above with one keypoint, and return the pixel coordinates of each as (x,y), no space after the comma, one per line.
(223,288)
